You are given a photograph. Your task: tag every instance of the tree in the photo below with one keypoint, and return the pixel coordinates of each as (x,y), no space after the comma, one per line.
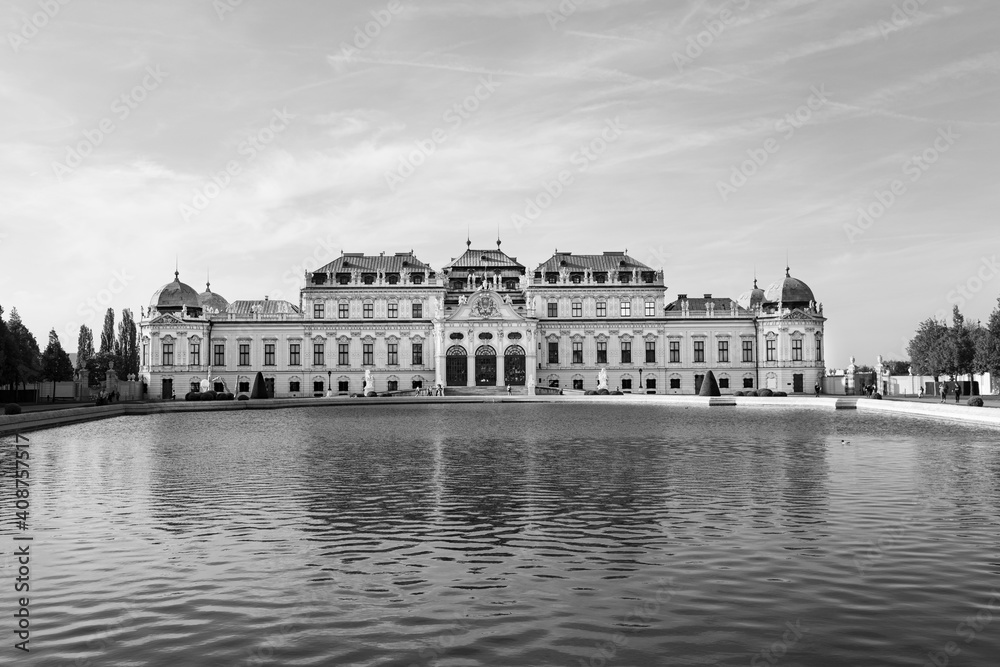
(127,346)
(897,367)
(25,361)
(987,359)
(108,333)
(56,365)
(84,346)
(962,348)
(6,344)
(929,349)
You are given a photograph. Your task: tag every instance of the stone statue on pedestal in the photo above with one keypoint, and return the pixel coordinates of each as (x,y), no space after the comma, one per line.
(602,379)
(369,381)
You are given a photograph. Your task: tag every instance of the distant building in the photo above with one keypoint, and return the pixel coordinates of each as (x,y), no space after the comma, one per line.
(484,320)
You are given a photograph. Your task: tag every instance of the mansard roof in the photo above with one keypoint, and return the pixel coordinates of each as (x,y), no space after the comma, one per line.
(609,261)
(262,307)
(401,261)
(484,259)
(699,303)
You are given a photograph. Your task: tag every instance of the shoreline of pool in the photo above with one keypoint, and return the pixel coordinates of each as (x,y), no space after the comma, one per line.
(39,420)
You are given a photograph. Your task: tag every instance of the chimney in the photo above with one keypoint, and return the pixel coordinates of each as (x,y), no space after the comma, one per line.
(708,296)
(681,297)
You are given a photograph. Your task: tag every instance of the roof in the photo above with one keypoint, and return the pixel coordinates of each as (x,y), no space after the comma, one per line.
(752,298)
(210,301)
(489,259)
(401,261)
(698,304)
(609,261)
(789,291)
(262,307)
(175,295)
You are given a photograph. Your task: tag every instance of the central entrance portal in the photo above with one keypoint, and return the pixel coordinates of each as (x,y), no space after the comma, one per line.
(457,367)
(514,367)
(486,367)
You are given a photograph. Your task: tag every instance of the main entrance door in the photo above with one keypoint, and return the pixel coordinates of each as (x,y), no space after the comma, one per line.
(168,389)
(514,367)
(457,367)
(486,367)
(797,383)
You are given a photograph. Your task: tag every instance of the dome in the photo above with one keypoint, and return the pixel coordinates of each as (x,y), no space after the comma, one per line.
(175,296)
(789,291)
(752,299)
(212,302)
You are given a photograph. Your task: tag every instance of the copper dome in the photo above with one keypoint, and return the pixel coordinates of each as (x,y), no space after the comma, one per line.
(175,296)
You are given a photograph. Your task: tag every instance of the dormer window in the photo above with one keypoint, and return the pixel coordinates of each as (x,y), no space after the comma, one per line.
(417,279)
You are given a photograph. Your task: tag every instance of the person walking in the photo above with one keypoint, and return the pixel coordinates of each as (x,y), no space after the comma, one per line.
(817,389)
(944,392)
(958,392)
(921,394)
(508,390)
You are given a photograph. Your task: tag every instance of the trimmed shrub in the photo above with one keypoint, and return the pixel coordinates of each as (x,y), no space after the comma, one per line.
(976,402)
(617,393)
(738,393)
(355,395)
(590,392)
(604,392)
(752,392)
(371,394)
(224,396)
(780,393)
(709,386)
(765,392)
(15,409)
(386,395)
(242,397)
(209,396)
(192,396)
(877,397)
(259,386)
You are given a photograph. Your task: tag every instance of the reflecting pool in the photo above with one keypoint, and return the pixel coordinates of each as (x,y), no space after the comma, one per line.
(500,534)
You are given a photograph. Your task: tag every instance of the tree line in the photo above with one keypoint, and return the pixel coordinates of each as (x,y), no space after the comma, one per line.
(23,363)
(960,349)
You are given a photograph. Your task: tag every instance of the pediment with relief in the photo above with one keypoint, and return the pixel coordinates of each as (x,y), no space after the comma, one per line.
(485,305)
(166,320)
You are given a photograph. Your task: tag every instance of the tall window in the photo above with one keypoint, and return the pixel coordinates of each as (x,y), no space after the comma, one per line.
(269,354)
(418,354)
(626,309)
(723,351)
(368,354)
(294,354)
(344,310)
(772,349)
(393,310)
(553,309)
(553,352)
(747,351)
(602,308)
(796,349)
(650,351)
(819,349)
(168,354)
(626,352)
(393,350)
(602,352)
(675,352)
(195,354)
(244,354)
(699,351)
(650,309)
(577,309)
(220,355)
(577,353)
(319,310)
(294,386)
(418,311)
(369,311)
(145,354)
(319,354)
(343,354)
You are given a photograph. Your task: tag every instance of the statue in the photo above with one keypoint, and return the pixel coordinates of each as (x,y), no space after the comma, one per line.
(369,381)
(602,379)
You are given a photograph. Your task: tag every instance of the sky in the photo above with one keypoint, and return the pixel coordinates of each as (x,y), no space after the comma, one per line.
(853,141)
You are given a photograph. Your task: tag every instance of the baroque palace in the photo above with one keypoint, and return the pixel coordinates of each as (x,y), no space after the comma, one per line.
(484,320)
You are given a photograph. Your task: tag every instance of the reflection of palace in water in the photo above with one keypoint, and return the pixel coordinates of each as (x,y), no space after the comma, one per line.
(484,321)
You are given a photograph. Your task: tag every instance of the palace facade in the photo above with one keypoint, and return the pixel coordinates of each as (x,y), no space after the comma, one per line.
(483,320)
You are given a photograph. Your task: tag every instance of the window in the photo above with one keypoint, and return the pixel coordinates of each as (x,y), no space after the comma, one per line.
(747,351)
(319,310)
(368,354)
(771,349)
(294,354)
(748,383)
(343,354)
(418,354)
(602,308)
(723,383)
(651,383)
(269,354)
(626,384)
(626,309)
(675,383)
(417,279)
(723,351)
(553,309)
(393,310)
(218,387)
(578,384)
(319,354)
(243,386)
(699,352)
(650,352)
(294,386)
(675,352)
(369,310)
(650,309)
(626,352)
(168,354)
(577,353)
(392,385)
(344,310)
(577,309)
(317,385)
(602,352)
(796,349)
(244,354)
(819,349)
(418,384)
(343,385)
(220,355)
(418,311)
(195,354)
(393,349)
(195,386)
(553,352)
(145,354)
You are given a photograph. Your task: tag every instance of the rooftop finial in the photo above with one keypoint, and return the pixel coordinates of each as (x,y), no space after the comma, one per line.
(788,269)
(208,280)
(177,271)
(498,236)
(468,238)
(755,276)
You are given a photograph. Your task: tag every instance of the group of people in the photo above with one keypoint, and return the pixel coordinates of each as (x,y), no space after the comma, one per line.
(868,390)
(436,390)
(945,391)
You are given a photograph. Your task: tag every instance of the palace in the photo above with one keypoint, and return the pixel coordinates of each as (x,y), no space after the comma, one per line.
(484,320)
